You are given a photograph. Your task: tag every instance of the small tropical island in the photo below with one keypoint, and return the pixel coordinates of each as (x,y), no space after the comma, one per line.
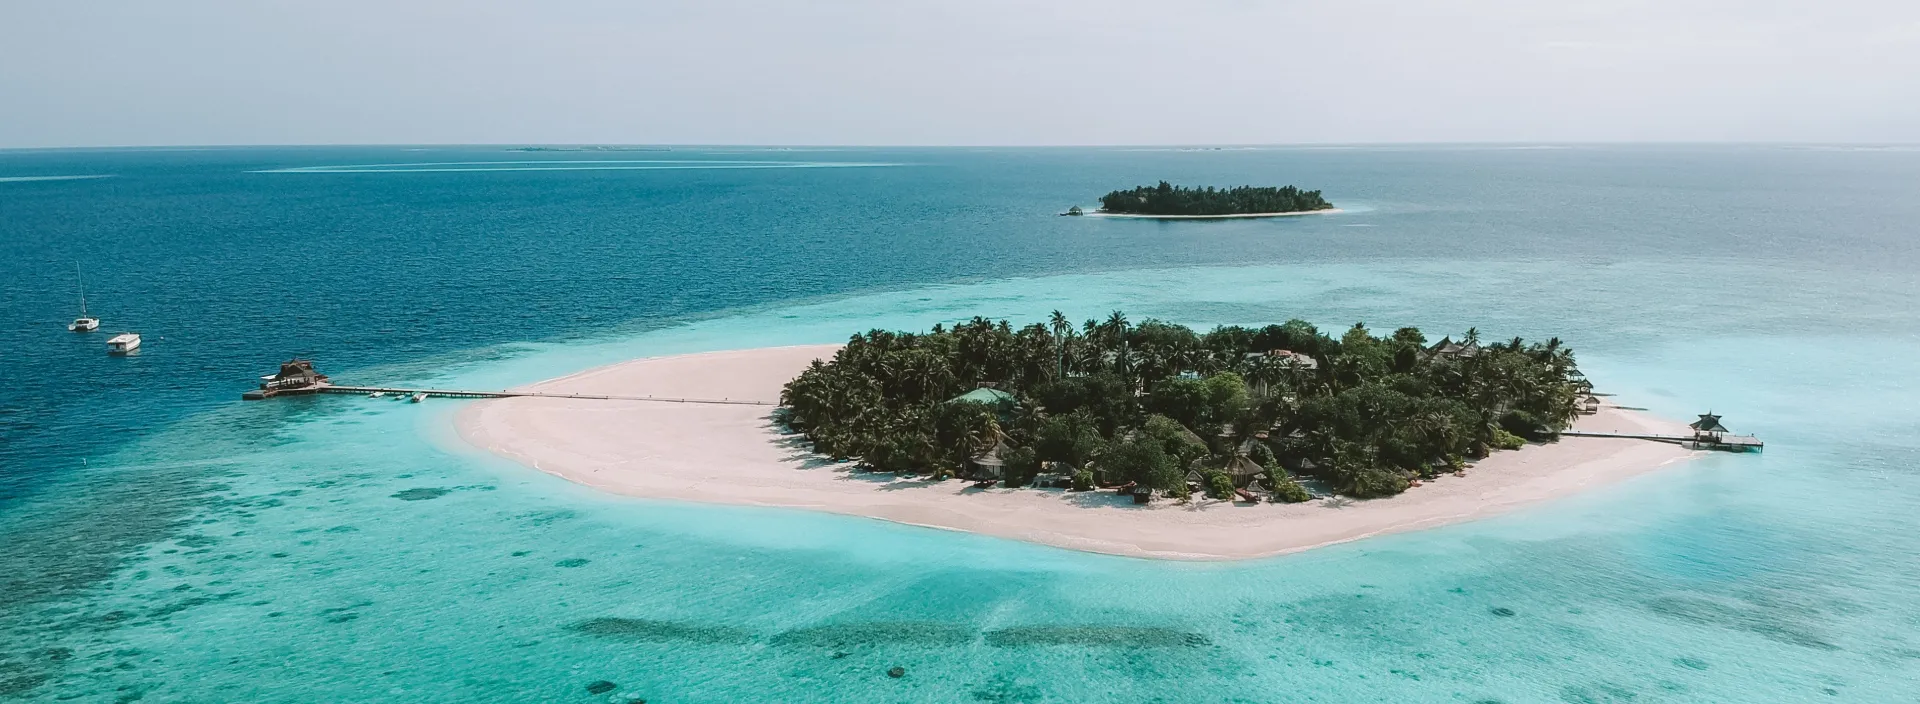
(1159,410)
(1235,443)
(1169,201)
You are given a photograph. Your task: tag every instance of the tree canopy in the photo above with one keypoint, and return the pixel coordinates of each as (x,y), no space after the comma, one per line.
(1168,199)
(1365,415)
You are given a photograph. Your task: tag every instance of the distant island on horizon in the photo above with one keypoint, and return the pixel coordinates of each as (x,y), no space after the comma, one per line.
(1168,200)
(591,148)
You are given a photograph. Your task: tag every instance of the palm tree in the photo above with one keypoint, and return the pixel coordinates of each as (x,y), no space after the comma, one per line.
(1116,330)
(1061,329)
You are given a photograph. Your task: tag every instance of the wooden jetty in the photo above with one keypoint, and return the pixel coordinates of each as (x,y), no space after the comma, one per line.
(298,378)
(1708,434)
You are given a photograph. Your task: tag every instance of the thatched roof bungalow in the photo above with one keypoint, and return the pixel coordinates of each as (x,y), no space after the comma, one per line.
(990,463)
(1446,347)
(294,374)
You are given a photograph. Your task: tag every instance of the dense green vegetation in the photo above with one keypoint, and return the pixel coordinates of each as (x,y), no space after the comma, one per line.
(1109,402)
(1168,199)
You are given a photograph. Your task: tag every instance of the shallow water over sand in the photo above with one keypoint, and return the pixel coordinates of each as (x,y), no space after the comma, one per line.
(361,552)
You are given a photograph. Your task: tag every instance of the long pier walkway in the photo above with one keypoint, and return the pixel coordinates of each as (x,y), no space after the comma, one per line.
(1728,443)
(465,393)
(1630,436)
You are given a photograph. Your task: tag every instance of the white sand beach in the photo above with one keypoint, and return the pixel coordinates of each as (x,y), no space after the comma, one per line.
(1103,214)
(733,454)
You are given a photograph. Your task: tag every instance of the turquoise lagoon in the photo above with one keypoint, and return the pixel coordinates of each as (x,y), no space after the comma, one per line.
(348,549)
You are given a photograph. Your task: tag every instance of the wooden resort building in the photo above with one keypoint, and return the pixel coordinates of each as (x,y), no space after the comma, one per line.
(1710,434)
(986,395)
(1708,428)
(1001,402)
(1286,358)
(1243,470)
(990,464)
(295,376)
(1240,469)
(1446,347)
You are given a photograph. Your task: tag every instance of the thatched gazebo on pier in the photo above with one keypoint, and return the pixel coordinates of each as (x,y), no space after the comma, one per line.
(294,374)
(1708,429)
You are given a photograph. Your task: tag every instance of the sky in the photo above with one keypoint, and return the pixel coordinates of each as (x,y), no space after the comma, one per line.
(981,72)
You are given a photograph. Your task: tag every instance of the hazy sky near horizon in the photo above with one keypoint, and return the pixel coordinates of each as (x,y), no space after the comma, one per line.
(983,72)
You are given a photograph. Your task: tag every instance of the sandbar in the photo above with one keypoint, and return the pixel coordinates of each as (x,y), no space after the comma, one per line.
(735,454)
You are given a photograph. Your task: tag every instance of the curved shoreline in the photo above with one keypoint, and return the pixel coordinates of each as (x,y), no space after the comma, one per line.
(1103,214)
(735,455)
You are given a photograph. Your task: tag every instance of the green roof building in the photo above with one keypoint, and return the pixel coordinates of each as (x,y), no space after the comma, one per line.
(986,395)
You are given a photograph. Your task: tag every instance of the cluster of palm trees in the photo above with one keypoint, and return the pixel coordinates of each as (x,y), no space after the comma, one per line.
(1168,199)
(1111,401)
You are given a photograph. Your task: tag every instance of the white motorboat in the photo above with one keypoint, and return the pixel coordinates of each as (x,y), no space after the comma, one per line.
(84,323)
(417,397)
(123,343)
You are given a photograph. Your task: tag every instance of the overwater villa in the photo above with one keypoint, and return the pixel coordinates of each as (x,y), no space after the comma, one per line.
(294,375)
(1710,433)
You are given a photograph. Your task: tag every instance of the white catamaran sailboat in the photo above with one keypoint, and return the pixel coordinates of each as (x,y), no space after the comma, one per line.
(84,323)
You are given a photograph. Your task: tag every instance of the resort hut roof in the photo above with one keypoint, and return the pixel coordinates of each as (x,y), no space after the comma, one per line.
(1242,467)
(1446,347)
(1185,433)
(295,373)
(1193,477)
(1708,423)
(1300,360)
(985,394)
(992,456)
(1191,436)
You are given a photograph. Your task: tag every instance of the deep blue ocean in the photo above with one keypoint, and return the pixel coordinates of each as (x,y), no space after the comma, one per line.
(162,541)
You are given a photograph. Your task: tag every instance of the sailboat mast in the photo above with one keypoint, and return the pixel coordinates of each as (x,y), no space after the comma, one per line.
(83,288)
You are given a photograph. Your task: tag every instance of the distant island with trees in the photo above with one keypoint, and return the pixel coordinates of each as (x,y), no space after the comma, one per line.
(1168,200)
(1156,409)
(590,148)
